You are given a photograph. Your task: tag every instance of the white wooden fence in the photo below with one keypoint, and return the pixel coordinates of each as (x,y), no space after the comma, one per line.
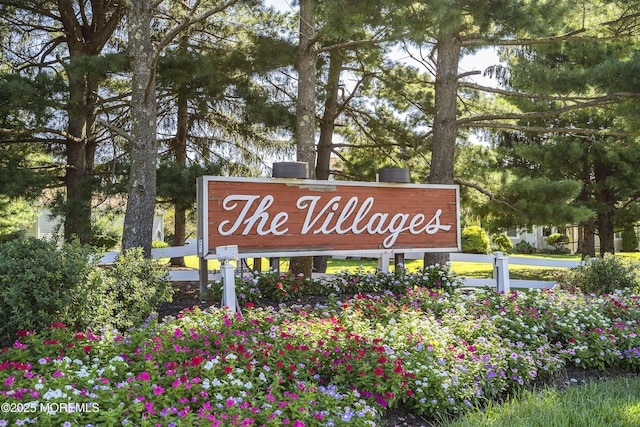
(500,280)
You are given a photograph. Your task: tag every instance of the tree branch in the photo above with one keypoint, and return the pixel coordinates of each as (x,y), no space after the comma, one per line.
(486,192)
(117,130)
(571,35)
(549,130)
(348,45)
(589,102)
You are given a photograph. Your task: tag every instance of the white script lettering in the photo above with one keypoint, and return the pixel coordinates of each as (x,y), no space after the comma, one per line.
(378,223)
(261,215)
(335,216)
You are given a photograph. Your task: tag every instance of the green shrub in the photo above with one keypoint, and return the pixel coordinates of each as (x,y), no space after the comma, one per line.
(602,275)
(559,242)
(125,294)
(524,247)
(474,240)
(501,242)
(106,230)
(629,240)
(39,284)
(156,244)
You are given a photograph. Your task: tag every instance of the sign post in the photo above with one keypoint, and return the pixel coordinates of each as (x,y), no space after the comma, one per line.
(229,298)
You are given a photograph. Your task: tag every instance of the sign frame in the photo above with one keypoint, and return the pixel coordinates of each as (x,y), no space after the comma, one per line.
(207,249)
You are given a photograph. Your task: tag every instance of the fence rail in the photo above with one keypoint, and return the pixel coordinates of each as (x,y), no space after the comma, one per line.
(500,280)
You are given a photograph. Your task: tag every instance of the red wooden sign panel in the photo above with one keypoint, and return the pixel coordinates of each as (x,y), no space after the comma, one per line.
(287,216)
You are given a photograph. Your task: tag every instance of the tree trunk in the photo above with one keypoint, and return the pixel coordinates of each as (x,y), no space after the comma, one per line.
(180,152)
(606,231)
(141,202)
(306,105)
(445,129)
(305,110)
(84,40)
(82,113)
(328,121)
(327,126)
(588,240)
(606,206)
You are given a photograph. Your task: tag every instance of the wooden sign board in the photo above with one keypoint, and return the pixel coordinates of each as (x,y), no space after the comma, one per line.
(300,217)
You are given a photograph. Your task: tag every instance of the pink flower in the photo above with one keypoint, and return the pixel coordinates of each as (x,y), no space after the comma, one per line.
(157,390)
(19,345)
(143,376)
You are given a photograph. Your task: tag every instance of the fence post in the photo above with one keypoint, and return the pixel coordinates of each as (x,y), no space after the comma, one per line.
(203,270)
(501,272)
(383,262)
(227,271)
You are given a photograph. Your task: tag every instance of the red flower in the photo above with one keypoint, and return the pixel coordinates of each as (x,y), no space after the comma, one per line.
(228,369)
(379,371)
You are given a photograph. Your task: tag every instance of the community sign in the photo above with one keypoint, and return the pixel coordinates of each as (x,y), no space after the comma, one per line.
(299,217)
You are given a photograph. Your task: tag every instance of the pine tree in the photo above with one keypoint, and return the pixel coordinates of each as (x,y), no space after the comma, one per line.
(46,39)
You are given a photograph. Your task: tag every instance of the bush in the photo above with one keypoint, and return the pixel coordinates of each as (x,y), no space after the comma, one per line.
(125,294)
(474,240)
(602,275)
(501,242)
(39,284)
(156,244)
(106,230)
(524,247)
(45,282)
(559,242)
(629,240)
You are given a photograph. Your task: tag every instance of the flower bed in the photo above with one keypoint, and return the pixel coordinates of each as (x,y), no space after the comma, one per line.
(344,363)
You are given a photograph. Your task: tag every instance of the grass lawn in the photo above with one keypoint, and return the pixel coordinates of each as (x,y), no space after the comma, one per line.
(612,403)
